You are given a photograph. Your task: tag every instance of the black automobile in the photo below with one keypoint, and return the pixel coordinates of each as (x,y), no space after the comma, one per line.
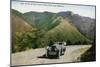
(56,50)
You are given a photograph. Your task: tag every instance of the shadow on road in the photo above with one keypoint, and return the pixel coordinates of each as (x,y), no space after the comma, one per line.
(44,56)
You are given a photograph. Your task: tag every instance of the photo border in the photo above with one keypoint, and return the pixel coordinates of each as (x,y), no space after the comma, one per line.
(46,3)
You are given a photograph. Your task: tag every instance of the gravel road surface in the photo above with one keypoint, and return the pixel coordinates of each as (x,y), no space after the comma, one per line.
(35,56)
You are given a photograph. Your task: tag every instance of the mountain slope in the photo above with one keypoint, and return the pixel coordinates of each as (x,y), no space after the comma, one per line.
(58,26)
(36,30)
(66,31)
(23,34)
(41,20)
(18,23)
(85,25)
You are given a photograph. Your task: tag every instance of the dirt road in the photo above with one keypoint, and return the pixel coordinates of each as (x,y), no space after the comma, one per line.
(33,56)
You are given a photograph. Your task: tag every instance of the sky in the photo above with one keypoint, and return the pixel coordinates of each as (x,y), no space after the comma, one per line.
(83,10)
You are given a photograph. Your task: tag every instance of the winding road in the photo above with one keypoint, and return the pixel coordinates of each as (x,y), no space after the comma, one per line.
(35,56)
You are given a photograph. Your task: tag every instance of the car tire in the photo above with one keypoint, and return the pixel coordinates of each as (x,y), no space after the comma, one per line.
(48,53)
(58,55)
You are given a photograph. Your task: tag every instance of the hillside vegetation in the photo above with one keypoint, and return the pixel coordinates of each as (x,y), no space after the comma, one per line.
(38,29)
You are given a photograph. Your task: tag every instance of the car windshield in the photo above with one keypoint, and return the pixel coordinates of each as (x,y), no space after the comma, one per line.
(60,43)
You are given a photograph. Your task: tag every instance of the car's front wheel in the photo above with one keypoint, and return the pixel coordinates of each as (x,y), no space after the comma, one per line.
(58,54)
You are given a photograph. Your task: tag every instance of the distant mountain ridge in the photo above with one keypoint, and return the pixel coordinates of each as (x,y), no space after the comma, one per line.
(85,25)
(42,20)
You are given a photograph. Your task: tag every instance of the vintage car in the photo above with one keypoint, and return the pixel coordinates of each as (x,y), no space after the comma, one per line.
(56,50)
